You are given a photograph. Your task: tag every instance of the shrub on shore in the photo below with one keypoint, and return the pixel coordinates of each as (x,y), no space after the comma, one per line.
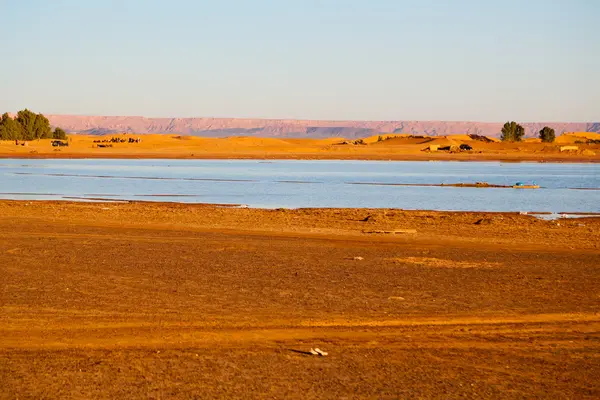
(59,133)
(512,132)
(547,134)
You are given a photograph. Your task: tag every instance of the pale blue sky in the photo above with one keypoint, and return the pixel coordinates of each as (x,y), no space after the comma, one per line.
(482,60)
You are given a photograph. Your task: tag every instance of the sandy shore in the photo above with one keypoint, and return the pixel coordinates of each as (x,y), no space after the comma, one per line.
(184,301)
(400,149)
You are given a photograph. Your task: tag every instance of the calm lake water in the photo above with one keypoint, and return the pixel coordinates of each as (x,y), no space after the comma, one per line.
(293,184)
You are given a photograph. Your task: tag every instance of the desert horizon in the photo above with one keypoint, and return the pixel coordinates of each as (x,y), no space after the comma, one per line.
(296,128)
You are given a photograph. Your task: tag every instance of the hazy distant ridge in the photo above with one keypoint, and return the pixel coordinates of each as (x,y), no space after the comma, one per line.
(217,127)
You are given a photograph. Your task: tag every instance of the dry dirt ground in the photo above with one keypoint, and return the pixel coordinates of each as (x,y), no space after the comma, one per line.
(397,148)
(144,300)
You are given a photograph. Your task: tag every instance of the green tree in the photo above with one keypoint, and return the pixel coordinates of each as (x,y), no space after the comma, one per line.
(33,126)
(547,134)
(9,128)
(59,134)
(512,132)
(26,119)
(41,128)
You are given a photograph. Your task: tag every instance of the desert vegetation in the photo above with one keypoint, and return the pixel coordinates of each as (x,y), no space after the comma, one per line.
(512,132)
(547,135)
(28,125)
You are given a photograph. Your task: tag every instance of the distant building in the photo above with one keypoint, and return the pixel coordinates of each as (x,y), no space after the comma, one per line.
(569,148)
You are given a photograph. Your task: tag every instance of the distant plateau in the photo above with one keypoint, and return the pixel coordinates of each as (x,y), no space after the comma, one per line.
(290,128)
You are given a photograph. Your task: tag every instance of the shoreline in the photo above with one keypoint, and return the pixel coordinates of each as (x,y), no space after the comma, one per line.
(108,201)
(455,228)
(312,157)
(171,206)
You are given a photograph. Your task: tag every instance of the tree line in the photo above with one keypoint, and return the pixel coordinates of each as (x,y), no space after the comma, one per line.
(513,132)
(27,125)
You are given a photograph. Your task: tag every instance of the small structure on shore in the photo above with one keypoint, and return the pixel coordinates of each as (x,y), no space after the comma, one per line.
(445,143)
(569,148)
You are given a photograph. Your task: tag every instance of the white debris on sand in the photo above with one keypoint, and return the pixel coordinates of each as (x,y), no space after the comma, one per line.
(318,352)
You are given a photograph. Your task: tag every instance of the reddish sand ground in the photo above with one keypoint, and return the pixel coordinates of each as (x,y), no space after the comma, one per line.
(399,147)
(145,300)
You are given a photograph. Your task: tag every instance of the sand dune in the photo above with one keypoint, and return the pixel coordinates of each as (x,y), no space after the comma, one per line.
(460,137)
(577,137)
(393,147)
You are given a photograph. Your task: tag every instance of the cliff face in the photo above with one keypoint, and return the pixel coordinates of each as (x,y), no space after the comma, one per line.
(219,127)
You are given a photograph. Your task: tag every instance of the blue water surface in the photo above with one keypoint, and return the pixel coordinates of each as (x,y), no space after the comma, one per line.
(295,184)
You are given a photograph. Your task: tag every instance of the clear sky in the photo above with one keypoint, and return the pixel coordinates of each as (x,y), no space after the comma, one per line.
(480,60)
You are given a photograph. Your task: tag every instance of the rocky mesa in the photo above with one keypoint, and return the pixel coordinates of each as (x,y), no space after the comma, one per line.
(222,127)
